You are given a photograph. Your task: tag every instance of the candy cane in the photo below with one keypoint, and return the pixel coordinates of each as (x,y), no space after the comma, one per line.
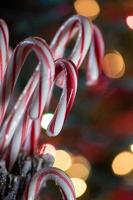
(47,72)
(89,37)
(67,97)
(66,33)
(23,133)
(96,53)
(33,134)
(40,179)
(4,56)
(4,49)
(13,120)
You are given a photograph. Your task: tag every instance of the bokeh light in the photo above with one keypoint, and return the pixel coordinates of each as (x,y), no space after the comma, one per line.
(113,65)
(81,159)
(46,119)
(129,21)
(131,147)
(79,186)
(123,163)
(87,8)
(63,160)
(79,171)
(48,148)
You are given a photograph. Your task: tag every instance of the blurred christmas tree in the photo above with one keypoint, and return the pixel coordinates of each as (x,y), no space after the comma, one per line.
(102,116)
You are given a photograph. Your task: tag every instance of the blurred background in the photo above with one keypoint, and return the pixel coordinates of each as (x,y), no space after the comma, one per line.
(95,147)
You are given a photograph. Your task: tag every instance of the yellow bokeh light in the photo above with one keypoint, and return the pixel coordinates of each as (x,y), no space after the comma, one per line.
(87,8)
(79,171)
(82,160)
(79,186)
(123,163)
(62,160)
(48,148)
(113,65)
(46,119)
(131,147)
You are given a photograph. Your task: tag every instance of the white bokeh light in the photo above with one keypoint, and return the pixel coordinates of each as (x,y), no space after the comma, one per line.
(46,119)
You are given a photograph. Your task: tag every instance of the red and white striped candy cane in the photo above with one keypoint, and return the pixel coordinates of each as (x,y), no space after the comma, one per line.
(4,56)
(26,132)
(19,130)
(17,113)
(66,32)
(46,68)
(4,48)
(67,96)
(45,58)
(89,36)
(40,179)
(33,134)
(96,53)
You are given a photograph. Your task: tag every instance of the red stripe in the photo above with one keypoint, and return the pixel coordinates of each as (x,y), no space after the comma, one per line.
(82,45)
(8,156)
(24,129)
(13,78)
(1,67)
(32,138)
(40,99)
(70,88)
(52,124)
(26,193)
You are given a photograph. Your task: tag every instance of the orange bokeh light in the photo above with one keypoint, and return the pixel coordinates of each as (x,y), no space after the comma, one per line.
(113,65)
(87,8)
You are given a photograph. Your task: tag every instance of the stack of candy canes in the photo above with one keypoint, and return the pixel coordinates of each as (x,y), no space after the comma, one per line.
(23,171)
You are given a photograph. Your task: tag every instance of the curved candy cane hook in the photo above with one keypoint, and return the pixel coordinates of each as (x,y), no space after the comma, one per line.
(67,96)
(89,38)
(40,179)
(66,32)
(37,104)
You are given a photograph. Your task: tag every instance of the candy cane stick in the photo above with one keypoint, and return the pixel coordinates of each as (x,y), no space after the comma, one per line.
(4,56)
(46,69)
(40,179)
(96,53)
(4,49)
(13,120)
(25,132)
(67,97)
(33,134)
